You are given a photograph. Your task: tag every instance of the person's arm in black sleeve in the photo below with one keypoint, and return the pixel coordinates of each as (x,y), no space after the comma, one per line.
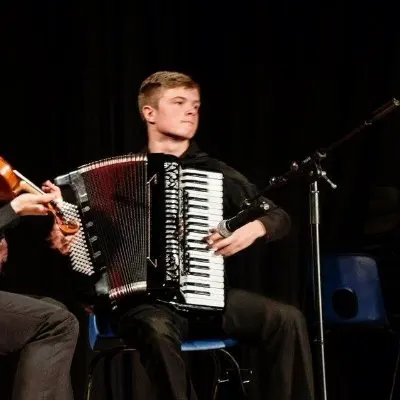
(238,188)
(7,217)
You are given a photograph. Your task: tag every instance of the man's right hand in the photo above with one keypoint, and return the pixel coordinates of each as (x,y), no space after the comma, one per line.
(32,204)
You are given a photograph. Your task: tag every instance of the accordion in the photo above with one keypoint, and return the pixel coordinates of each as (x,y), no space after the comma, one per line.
(143,219)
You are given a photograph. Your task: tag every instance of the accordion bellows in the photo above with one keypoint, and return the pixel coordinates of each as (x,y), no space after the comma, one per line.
(143,219)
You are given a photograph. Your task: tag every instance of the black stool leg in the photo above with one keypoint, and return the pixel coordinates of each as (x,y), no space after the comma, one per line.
(236,367)
(217,373)
(394,379)
(92,367)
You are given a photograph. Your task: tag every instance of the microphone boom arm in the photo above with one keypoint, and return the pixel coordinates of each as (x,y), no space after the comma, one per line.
(311,167)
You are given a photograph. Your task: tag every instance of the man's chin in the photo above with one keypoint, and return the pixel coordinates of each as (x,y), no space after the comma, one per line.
(180,135)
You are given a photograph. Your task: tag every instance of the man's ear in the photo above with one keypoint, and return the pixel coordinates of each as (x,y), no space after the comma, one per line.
(149,114)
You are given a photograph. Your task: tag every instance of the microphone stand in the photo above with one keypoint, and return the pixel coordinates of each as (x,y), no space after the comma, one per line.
(311,167)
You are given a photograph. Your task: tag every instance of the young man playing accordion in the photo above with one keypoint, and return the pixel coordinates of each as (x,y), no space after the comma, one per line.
(169,103)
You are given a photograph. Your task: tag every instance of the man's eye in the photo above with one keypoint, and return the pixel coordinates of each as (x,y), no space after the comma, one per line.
(179,102)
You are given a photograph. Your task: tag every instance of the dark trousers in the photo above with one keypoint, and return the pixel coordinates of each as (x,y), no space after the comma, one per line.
(44,334)
(278,330)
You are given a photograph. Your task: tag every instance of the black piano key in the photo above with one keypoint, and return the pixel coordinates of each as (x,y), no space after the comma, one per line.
(193,230)
(197,292)
(199,259)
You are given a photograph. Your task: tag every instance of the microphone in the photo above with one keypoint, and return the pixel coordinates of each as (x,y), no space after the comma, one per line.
(227,226)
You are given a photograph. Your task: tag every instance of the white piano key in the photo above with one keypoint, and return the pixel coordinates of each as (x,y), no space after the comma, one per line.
(212,221)
(202,186)
(217,273)
(209,195)
(213,279)
(210,255)
(212,214)
(215,269)
(194,245)
(195,172)
(205,302)
(193,202)
(196,236)
(195,286)
(217,295)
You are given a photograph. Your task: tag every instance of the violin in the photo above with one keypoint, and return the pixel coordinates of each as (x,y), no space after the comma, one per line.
(12,183)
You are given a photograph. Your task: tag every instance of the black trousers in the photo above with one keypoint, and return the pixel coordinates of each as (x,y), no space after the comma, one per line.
(277,329)
(44,334)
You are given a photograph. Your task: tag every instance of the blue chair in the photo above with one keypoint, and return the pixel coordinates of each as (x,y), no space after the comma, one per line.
(107,345)
(352,296)
(352,291)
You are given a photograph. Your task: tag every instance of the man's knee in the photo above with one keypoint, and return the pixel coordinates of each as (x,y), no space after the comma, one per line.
(64,323)
(291,316)
(160,329)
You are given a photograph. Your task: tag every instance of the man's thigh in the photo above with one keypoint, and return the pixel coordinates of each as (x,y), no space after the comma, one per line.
(149,319)
(249,315)
(21,318)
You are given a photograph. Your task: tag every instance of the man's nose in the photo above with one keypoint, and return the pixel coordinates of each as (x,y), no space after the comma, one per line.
(191,111)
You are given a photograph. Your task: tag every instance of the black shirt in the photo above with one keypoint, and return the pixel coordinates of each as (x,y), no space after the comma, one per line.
(238,188)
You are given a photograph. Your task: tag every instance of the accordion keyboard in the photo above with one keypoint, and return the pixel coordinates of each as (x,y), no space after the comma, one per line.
(203,283)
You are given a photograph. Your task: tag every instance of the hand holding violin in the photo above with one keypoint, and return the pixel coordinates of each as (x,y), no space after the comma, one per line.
(32,204)
(51,188)
(58,240)
(13,183)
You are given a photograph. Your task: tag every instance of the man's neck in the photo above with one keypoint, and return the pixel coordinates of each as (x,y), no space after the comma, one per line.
(168,146)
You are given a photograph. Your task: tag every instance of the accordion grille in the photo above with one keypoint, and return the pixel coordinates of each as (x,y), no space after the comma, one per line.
(119,203)
(79,255)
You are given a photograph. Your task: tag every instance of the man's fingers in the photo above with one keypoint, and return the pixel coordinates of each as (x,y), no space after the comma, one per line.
(46,198)
(213,238)
(221,243)
(49,184)
(50,187)
(41,210)
(229,250)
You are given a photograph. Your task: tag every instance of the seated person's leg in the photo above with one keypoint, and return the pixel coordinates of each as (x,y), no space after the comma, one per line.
(157,332)
(280,330)
(45,335)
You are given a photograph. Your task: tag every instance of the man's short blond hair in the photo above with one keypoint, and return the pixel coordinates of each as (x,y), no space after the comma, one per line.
(152,87)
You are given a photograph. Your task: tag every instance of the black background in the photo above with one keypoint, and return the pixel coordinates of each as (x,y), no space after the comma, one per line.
(278,79)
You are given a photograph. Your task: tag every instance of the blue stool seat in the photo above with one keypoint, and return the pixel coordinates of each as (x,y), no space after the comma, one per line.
(190,345)
(207,344)
(98,338)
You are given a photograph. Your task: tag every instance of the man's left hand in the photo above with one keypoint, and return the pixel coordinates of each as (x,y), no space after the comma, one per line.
(239,240)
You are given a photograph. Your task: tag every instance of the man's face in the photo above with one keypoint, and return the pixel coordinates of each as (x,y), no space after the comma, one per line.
(177,113)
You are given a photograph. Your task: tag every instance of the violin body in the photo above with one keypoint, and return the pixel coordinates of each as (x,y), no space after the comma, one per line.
(9,183)
(12,185)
